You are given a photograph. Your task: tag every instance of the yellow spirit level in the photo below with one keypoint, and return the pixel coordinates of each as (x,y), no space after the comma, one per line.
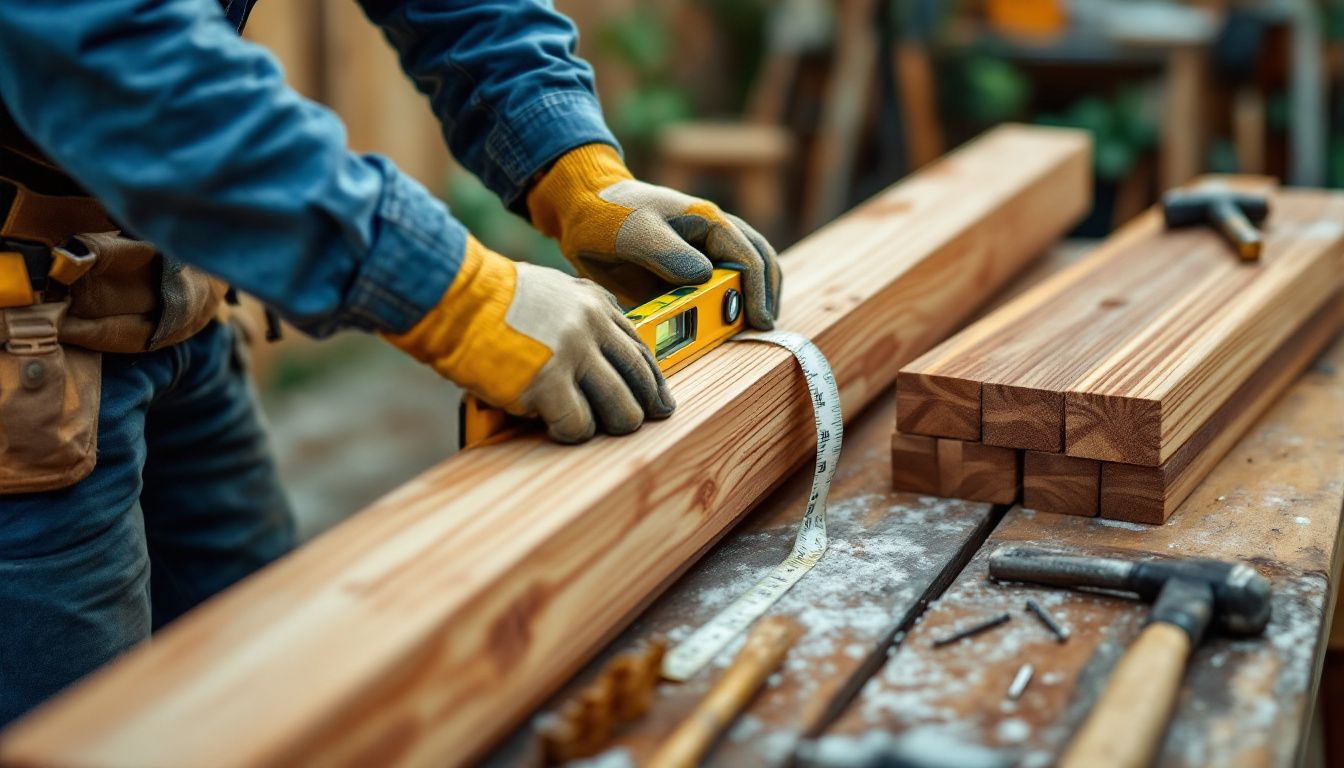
(679,327)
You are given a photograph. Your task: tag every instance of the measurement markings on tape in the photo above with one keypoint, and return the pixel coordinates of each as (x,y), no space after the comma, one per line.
(682,662)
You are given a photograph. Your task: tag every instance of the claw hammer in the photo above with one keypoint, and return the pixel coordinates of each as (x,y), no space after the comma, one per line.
(1125,727)
(1237,215)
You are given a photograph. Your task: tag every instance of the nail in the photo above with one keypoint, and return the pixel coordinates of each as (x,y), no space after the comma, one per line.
(1060,632)
(974,629)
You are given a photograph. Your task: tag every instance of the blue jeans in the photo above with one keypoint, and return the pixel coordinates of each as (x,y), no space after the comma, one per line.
(183,502)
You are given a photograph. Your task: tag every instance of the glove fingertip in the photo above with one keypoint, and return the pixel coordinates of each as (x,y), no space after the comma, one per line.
(691,268)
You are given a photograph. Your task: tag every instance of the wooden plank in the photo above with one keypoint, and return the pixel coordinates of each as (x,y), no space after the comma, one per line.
(1053,482)
(1152,393)
(955,469)
(914,464)
(850,636)
(422,629)
(852,604)
(1274,501)
(1150,494)
(1002,378)
(979,472)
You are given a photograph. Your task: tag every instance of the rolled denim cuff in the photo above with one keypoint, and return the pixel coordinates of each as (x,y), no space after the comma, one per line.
(417,251)
(528,143)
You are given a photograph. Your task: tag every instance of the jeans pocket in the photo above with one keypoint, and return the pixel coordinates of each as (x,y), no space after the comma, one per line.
(48,417)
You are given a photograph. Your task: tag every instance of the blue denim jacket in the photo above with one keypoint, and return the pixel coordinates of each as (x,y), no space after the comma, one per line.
(190,137)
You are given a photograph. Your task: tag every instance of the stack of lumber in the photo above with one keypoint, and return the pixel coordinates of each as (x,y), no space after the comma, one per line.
(1116,386)
(425,627)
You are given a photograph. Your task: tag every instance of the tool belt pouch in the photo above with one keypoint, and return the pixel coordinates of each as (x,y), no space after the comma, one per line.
(49,397)
(134,300)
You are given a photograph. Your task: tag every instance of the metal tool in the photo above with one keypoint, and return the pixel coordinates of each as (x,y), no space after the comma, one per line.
(1060,632)
(679,327)
(762,654)
(1237,215)
(1125,726)
(974,629)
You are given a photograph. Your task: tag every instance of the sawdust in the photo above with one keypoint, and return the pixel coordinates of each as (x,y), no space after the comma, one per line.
(1013,731)
(934,747)
(880,558)
(1108,523)
(847,596)
(612,758)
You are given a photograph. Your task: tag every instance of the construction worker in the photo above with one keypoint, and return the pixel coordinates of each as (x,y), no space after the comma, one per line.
(135,480)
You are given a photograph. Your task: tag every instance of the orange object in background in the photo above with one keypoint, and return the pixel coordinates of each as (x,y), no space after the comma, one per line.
(1027,18)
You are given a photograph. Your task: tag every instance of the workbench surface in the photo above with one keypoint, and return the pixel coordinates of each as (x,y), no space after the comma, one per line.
(904,568)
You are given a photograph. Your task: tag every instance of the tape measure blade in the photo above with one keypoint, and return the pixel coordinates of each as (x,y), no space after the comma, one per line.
(696,651)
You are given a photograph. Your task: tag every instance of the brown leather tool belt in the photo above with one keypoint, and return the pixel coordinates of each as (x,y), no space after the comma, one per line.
(71,288)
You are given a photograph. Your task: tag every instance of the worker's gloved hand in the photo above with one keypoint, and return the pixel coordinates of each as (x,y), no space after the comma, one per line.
(630,236)
(537,342)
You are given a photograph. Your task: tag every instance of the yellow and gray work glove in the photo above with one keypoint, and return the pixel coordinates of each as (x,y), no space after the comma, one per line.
(628,236)
(537,342)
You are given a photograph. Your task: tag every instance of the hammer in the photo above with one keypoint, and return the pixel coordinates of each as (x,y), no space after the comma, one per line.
(1236,214)
(1126,725)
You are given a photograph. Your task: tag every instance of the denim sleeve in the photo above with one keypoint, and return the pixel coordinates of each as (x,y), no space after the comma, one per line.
(190,138)
(503,79)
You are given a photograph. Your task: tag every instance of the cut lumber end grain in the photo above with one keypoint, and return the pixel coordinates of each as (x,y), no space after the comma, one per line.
(426,626)
(1065,485)
(1112,428)
(1135,494)
(937,406)
(914,464)
(977,472)
(1023,417)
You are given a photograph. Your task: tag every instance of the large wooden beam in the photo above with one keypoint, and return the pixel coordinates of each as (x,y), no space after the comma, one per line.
(423,628)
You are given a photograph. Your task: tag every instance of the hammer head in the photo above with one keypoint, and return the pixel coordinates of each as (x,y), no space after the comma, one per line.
(1239,596)
(1185,208)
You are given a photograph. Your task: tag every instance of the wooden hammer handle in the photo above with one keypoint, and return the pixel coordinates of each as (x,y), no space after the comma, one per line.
(1125,727)
(760,656)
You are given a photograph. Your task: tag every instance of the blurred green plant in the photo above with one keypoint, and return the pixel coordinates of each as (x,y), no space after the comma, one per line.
(642,41)
(494,225)
(992,90)
(1122,130)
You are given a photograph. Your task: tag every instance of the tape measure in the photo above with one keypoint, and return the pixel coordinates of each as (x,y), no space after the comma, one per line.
(678,327)
(682,662)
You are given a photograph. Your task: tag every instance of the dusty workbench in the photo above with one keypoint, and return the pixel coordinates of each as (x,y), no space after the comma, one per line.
(904,568)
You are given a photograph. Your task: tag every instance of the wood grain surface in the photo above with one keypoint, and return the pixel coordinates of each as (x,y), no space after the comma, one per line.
(955,469)
(1274,501)
(425,627)
(979,472)
(1152,393)
(1125,356)
(914,464)
(1009,370)
(1150,494)
(1065,485)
